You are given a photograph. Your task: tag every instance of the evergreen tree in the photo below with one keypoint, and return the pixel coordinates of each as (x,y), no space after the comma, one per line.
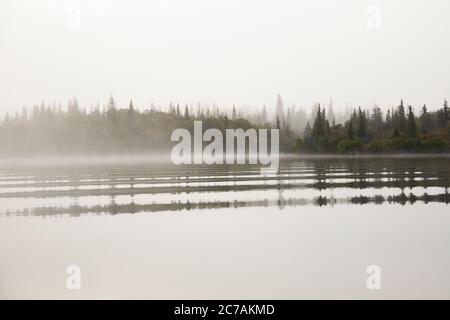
(426,122)
(362,124)
(280,111)
(411,127)
(186,112)
(307,135)
(377,118)
(319,124)
(445,114)
(264,115)
(288,120)
(350,133)
(131,107)
(401,117)
(354,117)
(330,112)
(111,112)
(396,133)
(111,103)
(131,124)
(388,122)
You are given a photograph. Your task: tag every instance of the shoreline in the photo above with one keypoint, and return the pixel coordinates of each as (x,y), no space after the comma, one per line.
(164,158)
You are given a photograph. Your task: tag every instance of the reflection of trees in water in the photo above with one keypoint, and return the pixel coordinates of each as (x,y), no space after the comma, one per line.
(324,175)
(359,173)
(280,202)
(380,172)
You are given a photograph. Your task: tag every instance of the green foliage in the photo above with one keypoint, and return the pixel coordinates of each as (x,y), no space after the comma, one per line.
(350,146)
(402,144)
(114,130)
(434,145)
(376,146)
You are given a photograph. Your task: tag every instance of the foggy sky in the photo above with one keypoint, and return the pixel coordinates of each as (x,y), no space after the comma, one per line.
(241,52)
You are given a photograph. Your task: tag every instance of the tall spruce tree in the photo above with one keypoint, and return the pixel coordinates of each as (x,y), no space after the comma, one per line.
(401,117)
(411,126)
(445,114)
(319,124)
(426,121)
(350,133)
(362,123)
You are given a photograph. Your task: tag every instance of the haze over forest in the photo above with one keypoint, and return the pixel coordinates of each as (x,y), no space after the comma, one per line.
(113,129)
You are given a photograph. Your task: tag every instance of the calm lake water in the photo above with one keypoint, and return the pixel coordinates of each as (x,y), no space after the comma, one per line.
(149,229)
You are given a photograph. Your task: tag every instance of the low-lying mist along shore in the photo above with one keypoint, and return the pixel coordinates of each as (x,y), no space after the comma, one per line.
(40,160)
(81,159)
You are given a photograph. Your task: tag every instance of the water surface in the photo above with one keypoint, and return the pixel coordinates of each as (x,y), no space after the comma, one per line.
(149,229)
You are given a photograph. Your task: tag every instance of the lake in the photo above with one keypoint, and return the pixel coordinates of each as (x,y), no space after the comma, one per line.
(143,228)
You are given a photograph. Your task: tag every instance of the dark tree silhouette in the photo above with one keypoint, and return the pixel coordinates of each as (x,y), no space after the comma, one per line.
(411,128)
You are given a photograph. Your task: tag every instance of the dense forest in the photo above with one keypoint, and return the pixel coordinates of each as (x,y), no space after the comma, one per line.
(399,130)
(51,130)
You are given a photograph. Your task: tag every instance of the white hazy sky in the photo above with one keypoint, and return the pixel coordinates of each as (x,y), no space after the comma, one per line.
(225,51)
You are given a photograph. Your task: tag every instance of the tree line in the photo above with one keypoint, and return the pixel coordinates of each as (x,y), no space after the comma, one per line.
(50,130)
(398,130)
